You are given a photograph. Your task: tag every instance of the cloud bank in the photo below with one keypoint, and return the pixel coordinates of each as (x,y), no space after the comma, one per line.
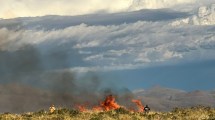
(23,8)
(156,4)
(205,16)
(124,46)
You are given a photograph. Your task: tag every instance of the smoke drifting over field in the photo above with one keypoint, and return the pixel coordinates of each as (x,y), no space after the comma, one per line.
(26,65)
(62,91)
(33,77)
(29,82)
(29,85)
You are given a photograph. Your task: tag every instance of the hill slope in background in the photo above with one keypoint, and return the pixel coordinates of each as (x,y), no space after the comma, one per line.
(165,99)
(16,98)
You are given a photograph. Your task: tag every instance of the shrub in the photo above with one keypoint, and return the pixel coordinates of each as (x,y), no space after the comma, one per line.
(39,113)
(64,111)
(122,111)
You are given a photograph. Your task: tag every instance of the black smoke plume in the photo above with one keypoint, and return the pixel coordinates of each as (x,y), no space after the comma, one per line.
(33,78)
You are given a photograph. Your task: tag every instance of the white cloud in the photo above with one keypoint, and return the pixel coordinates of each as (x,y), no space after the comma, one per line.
(20,8)
(205,16)
(122,46)
(125,46)
(155,4)
(23,8)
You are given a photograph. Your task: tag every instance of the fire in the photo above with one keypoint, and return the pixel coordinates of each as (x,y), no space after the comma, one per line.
(81,108)
(139,105)
(97,108)
(110,103)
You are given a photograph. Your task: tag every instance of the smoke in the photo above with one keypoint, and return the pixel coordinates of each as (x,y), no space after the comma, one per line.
(31,79)
(34,77)
(62,89)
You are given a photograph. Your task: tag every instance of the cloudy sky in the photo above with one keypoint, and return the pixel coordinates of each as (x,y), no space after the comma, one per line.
(23,8)
(136,44)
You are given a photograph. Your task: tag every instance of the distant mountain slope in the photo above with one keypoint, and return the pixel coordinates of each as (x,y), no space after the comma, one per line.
(164,99)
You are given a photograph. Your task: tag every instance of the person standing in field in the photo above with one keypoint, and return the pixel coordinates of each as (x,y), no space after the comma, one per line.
(146,109)
(51,108)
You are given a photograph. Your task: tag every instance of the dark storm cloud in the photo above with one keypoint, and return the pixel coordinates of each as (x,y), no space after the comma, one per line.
(60,22)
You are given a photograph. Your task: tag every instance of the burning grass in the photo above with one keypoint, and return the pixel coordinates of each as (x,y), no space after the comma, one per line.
(109,109)
(108,104)
(194,113)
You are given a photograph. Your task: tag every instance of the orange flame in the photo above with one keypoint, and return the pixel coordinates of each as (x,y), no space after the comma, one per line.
(139,105)
(97,108)
(81,108)
(110,103)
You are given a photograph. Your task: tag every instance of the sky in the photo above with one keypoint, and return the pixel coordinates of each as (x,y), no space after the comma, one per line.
(23,8)
(136,44)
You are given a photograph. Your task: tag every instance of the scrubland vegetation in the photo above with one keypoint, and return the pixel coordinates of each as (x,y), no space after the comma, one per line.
(193,113)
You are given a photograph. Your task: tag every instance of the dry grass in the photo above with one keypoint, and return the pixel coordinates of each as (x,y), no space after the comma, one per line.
(194,113)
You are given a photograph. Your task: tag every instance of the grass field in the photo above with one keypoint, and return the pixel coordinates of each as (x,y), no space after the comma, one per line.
(194,113)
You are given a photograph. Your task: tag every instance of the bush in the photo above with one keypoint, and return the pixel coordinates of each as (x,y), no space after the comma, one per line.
(40,113)
(122,111)
(64,111)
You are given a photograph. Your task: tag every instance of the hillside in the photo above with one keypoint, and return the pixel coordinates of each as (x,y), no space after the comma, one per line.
(164,99)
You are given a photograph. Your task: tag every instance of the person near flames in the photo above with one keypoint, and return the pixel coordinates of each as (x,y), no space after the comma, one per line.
(51,108)
(146,109)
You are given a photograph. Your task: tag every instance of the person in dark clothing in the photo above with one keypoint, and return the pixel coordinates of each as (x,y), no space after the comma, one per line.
(146,109)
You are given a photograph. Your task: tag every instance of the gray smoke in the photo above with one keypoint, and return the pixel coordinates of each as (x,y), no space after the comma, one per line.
(32,85)
(33,77)
(60,88)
